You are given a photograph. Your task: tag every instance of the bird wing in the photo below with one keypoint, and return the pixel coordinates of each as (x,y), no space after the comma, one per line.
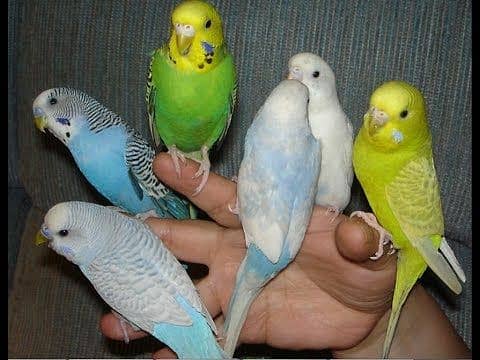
(139,292)
(231,106)
(150,98)
(139,156)
(267,196)
(414,198)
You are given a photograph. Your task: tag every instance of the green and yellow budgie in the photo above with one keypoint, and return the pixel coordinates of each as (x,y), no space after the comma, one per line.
(191,88)
(393,161)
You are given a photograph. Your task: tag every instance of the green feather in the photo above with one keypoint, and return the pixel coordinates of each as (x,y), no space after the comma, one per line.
(190,109)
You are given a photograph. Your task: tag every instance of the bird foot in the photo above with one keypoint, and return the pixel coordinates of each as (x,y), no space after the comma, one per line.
(234,178)
(176,154)
(334,211)
(123,323)
(235,210)
(384,235)
(203,170)
(145,215)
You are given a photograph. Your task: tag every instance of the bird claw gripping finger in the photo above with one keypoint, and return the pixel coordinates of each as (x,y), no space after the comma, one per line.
(334,211)
(234,178)
(203,170)
(176,154)
(384,235)
(235,210)
(145,215)
(123,321)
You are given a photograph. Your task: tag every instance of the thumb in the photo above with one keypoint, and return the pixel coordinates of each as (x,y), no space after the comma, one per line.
(357,242)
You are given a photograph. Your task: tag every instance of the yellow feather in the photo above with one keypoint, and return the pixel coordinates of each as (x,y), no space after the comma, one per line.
(196,13)
(392,159)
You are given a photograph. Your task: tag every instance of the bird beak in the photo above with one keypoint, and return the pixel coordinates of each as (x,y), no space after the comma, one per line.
(183,43)
(377,119)
(295,74)
(39,119)
(43,235)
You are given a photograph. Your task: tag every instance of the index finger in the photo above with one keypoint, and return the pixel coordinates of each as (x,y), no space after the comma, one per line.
(215,198)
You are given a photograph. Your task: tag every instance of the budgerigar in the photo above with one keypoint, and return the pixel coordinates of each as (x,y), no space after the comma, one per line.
(330,126)
(114,158)
(135,274)
(191,88)
(277,183)
(393,160)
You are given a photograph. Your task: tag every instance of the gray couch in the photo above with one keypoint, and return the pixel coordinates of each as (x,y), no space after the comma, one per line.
(103,48)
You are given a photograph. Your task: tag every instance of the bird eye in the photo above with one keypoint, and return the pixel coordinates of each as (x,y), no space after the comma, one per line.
(316,74)
(53,101)
(63,233)
(404,114)
(208,24)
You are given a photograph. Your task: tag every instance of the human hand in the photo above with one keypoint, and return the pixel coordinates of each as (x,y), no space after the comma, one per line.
(330,296)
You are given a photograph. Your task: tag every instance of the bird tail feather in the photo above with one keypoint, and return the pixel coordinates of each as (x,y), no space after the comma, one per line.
(410,266)
(176,206)
(452,260)
(247,288)
(437,262)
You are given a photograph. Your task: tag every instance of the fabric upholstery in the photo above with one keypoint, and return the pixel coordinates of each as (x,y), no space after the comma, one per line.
(19,205)
(103,48)
(13,180)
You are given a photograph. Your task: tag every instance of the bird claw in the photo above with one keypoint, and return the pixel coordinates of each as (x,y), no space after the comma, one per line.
(334,210)
(203,170)
(122,320)
(384,235)
(145,215)
(175,155)
(235,210)
(202,183)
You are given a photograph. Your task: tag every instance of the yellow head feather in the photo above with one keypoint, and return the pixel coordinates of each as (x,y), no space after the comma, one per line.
(396,117)
(198,26)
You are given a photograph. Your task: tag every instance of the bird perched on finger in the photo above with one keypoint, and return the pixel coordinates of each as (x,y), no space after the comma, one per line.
(331,126)
(276,189)
(191,87)
(135,274)
(113,157)
(393,161)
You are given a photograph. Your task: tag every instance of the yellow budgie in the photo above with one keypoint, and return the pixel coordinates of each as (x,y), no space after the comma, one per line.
(393,162)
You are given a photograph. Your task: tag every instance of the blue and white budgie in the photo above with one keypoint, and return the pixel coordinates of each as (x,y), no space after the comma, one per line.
(331,126)
(134,273)
(277,182)
(114,158)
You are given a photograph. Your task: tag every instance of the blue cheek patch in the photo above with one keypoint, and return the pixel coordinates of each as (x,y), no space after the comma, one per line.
(207,47)
(397,136)
(63,121)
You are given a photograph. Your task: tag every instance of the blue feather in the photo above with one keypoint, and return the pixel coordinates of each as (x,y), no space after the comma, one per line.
(196,340)
(101,158)
(208,47)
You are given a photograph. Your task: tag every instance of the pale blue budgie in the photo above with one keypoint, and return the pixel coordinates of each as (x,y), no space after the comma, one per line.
(330,126)
(135,274)
(114,158)
(277,182)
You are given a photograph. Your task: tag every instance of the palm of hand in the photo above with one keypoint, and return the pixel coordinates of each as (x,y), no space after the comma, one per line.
(330,301)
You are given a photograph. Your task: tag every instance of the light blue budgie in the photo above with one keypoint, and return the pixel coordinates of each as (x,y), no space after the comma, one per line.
(277,182)
(329,125)
(135,274)
(114,158)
